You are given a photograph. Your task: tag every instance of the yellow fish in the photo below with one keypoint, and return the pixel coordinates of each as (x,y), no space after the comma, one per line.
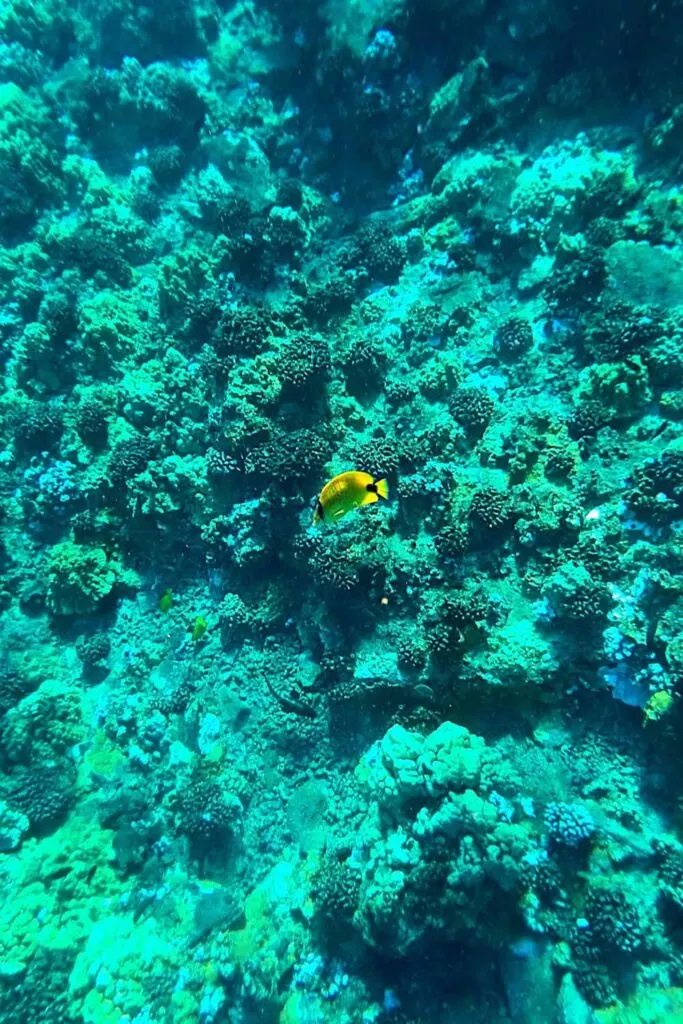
(199,628)
(346,492)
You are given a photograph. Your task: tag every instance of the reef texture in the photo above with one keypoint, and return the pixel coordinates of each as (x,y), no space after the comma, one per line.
(421,766)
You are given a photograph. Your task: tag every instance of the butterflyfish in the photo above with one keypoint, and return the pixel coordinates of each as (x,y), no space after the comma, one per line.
(345,492)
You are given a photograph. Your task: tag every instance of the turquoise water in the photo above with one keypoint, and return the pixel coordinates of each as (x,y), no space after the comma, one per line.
(418,762)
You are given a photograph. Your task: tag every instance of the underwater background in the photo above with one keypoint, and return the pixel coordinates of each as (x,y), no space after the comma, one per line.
(421,764)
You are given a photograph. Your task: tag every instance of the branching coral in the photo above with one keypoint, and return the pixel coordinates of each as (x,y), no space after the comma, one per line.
(472,408)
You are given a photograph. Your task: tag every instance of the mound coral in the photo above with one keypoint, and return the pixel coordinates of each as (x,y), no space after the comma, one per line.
(437,835)
(80,577)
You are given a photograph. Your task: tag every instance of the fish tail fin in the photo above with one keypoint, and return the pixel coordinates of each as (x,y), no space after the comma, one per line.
(382,488)
(318,513)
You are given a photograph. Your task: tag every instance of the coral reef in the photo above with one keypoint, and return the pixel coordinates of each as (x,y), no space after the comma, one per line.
(420,765)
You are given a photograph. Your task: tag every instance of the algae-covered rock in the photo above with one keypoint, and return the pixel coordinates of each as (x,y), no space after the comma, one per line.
(651,1006)
(306,815)
(81,577)
(44,724)
(530,983)
(572,1008)
(275,934)
(13,827)
(552,194)
(517,655)
(286,232)
(350,24)
(29,158)
(129,961)
(458,101)
(646,274)
(622,389)
(573,594)
(111,329)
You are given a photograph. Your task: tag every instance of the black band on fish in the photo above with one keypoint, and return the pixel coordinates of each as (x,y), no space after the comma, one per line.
(372,488)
